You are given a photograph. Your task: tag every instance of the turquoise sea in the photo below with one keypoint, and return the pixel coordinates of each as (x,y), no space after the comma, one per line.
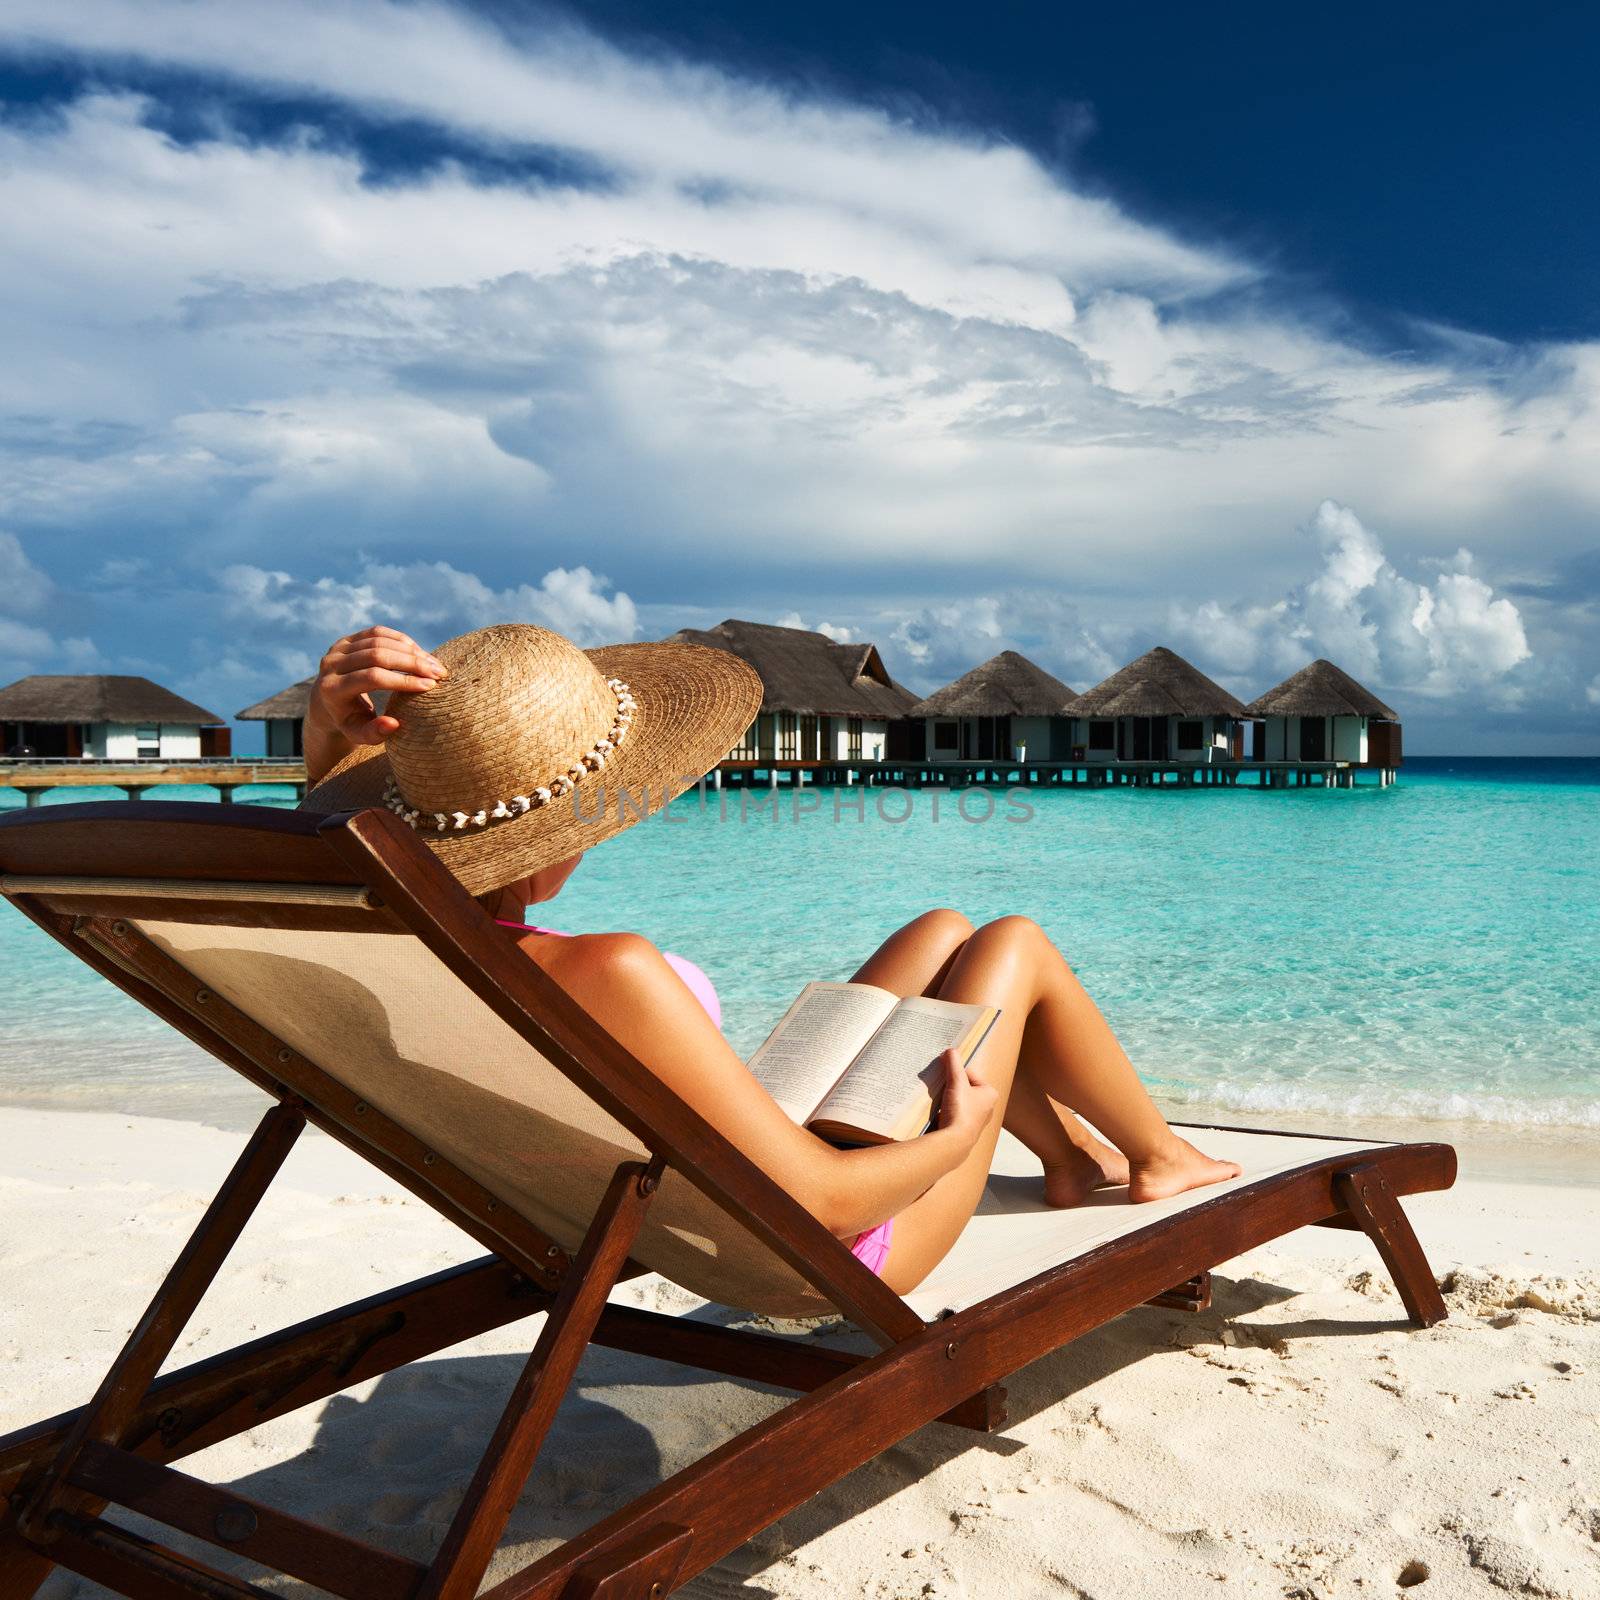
(1428,952)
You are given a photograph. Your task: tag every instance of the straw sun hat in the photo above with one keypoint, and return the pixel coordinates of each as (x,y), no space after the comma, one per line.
(532,749)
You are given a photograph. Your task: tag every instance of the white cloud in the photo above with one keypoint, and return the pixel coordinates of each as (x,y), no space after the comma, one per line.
(21,642)
(1239,640)
(575,603)
(80,655)
(792,619)
(942,640)
(936,635)
(672,132)
(116,572)
(1592,693)
(1470,635)
(24,588)
(26,591)
(429,598)
(1445,637)
(279,349)
(323,607)
(768,321)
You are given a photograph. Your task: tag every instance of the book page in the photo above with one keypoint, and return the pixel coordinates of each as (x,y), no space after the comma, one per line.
(897,1077)
(819,1036)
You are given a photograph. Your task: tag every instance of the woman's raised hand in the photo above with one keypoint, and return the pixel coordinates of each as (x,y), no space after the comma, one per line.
(341,712)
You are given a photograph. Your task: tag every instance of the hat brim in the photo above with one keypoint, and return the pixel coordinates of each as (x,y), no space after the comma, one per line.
(693,705)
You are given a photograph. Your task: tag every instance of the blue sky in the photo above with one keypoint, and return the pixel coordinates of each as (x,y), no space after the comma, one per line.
(1423,160)
(1262,336)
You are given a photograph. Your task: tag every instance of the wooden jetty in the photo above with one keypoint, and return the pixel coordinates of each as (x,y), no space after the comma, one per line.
(1056,774)
(37,778)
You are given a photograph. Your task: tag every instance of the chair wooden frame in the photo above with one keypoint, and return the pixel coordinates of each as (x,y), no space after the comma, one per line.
(85,873)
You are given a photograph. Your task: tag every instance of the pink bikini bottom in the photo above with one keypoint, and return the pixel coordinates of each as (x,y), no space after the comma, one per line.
(871,1248)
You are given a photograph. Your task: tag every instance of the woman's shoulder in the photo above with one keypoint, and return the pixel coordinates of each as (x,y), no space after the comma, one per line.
(610,958)
(550,946)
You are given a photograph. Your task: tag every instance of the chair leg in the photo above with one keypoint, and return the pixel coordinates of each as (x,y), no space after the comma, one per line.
(498,1483)
(227,1394)
(1193,1294)
(638,1568)
(1366,1196)
(22,1570)
(125,1385)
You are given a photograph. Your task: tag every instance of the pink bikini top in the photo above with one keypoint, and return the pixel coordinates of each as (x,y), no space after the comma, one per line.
(698,983)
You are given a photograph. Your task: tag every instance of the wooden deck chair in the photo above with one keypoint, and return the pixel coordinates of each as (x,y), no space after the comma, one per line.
(337,966)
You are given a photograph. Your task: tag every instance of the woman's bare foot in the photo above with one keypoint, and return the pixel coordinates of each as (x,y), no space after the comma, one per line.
(1178,1168)
(1112,1163)
(1092,1165)
(1071,1182)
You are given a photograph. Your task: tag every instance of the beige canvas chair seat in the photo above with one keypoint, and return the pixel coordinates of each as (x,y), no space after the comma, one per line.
(335,965)
(1014,1236)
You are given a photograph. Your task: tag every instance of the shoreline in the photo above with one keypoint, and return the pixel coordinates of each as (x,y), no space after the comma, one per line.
(1548,1154)
(1551,1154)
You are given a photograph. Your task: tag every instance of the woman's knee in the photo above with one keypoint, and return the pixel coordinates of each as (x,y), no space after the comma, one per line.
(942,926)
(1017,933)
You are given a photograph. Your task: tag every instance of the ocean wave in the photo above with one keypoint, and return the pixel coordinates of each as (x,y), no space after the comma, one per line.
(1386,1102)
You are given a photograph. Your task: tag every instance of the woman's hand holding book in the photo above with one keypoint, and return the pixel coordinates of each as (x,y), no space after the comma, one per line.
(968,1101)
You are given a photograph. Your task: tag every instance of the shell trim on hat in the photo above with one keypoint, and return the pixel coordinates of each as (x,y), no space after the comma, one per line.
(592,760)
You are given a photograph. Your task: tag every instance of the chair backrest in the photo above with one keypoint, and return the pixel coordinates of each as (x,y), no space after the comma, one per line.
(351,946)
(386,1018)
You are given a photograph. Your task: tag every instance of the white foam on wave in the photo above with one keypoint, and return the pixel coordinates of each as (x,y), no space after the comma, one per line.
(1387,1102)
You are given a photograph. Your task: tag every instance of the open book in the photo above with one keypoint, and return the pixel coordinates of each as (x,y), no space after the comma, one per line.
(856,1063)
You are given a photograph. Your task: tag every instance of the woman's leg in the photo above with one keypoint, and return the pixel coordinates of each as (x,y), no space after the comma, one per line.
(1070,1175)
(916,959)
(1049,1032)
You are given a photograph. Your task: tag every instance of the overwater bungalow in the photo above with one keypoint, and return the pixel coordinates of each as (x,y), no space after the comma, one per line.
(824,701)
(1321,713)
(1158,708)
(1006,709)
(285,715)
(102,717)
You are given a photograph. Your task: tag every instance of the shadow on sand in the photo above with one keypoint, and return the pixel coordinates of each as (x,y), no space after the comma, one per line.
(390,1468)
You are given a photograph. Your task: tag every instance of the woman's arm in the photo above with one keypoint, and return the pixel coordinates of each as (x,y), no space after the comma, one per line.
(623,981)
(341,713)
(882,1180)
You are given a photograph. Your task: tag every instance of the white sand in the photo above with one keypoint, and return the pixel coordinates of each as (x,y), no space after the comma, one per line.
(1297,1440)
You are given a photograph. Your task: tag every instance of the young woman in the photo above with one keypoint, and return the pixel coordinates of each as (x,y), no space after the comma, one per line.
(511,750)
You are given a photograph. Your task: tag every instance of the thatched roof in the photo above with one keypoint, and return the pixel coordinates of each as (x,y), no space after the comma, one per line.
(288,703)
(1159,684)
(1321,690)
(98,697)
(1006,685)
(809,671)
(1140,697)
